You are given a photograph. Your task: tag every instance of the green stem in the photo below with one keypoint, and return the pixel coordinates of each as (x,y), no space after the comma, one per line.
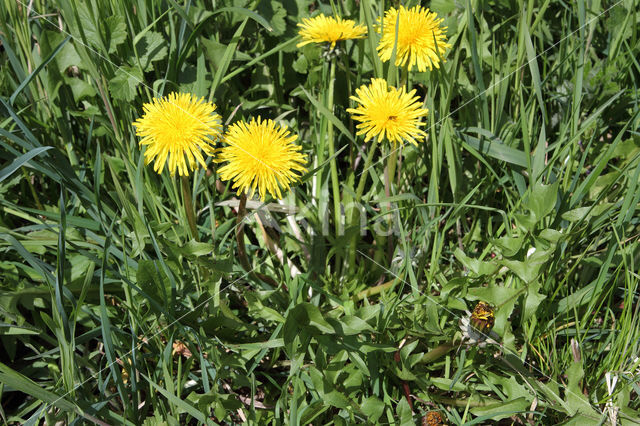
(335,185)
(242,250)
(372,291)
(365,171)
(459,402)
(404,79)
(391,168)
(34,193)
(359,191)
(437,352)
(188,206)
(390,171)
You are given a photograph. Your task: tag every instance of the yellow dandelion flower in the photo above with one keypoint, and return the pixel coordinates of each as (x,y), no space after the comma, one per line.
(483,317)
(261,155)
(476,326)
(178,128)
(387,112)
(327,29)
(420,37)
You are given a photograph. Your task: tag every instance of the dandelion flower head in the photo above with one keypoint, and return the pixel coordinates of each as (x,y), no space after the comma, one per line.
(327,29)
(421,39)
(260,156)
(177,129)
(476,326)
(388,112)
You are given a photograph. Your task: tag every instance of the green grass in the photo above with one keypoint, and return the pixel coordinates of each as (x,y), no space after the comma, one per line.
(525,195)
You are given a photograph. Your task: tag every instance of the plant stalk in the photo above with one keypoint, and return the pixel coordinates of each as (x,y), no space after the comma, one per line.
(335,185)
(437,352)
(188,206)
(242,250)
(359,192)
(365,170)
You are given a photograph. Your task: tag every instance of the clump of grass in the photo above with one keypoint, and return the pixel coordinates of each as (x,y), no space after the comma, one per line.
(344,292)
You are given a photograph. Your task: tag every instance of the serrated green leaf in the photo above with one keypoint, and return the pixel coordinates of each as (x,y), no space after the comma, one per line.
(104,34)
(478,267)
(115,32)
(509,246)
(80,88)
(503,297)
(273,12)
(151,47)
(532,300)
(529,269)
(123,85)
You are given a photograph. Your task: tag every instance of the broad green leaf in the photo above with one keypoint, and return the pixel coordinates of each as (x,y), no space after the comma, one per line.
(504,298)
(497,150)
(336,399)
(114,32)
(194,249)
(542,199)
(575,399)
(349,325)
(373,408)
(260,311)
(123,85)
(306,314)
(311,411)
(551,235)
(151,47)
(273,12)
(527,221)
(80,88)
(104,34)
(532,300)
(509,246)
(582,213)
(502,410)
(403,411)
(478,267)
(529,269)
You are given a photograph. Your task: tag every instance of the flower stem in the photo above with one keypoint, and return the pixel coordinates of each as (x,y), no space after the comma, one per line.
(389,173)
(242,250)
(437,352)
(359,191)
(372,291)
(188,206)
(332,150)
(365,170)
